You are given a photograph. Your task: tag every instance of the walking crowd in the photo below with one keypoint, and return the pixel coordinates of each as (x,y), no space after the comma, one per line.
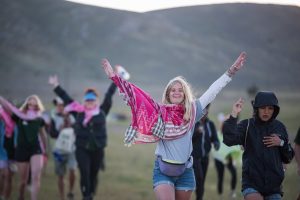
(179,125)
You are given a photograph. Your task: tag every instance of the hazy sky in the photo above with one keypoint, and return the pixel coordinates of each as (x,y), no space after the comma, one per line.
(149,5)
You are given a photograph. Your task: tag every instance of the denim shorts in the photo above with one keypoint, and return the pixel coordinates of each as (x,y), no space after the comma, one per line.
(66,161)
(186,181)
(10,164)
(269,197)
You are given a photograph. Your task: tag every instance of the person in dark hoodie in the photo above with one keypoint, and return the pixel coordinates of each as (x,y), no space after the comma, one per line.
(90,132)
(266,147)
(205,134)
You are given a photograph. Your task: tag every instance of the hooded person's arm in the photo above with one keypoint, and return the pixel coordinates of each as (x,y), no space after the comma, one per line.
(233,133)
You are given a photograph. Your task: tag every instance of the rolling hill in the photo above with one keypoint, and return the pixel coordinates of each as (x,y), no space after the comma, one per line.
(39,38)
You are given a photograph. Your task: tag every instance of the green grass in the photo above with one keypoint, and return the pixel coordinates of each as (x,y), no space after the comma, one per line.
(128,174)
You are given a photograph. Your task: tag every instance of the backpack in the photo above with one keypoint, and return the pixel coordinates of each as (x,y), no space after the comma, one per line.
(65,143)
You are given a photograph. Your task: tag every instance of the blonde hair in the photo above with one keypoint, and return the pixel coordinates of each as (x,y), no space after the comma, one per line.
(40,107)
(188,95)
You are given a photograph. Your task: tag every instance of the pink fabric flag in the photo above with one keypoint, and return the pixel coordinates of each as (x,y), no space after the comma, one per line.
(151,121)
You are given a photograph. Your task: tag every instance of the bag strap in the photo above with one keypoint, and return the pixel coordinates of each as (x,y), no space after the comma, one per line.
(245,142)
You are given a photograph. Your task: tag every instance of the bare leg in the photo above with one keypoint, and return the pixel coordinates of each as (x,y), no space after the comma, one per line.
(23,169)
(164,192)
(72,179)
(254,196)
(2,182)
(183,195)
(61,187)
(8,183)
(36,165)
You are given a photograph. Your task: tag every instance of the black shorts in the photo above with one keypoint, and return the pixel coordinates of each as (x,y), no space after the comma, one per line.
(9,147)
(23,154)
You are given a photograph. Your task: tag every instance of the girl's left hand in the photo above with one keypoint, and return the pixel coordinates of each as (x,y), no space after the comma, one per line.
(237,65)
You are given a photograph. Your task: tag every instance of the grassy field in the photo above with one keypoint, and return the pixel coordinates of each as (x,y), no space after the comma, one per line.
(128,174)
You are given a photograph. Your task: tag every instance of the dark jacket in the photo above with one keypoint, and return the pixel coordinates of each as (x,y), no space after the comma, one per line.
(204,134)
(95,130)
(262,166)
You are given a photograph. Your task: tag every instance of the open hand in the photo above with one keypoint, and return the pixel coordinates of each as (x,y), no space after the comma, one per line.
(272,141)
(107,68)
(53,80)
(237,107)
(237,65)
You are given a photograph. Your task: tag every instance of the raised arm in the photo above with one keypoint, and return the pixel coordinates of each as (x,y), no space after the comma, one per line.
(221,82)
(11,109)
(9,124)
(107,68)
(59,91)
(233,132)
(107,102)
(5,105)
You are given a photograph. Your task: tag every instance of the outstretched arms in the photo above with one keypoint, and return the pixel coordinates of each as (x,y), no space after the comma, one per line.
(106,105)
(5,105)
(237,107)
(233,133)
(237,65)
(107,68)
(53,80)
(221,82)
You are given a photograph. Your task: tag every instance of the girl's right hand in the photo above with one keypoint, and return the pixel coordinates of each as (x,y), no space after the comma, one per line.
(107,68)
(53,80)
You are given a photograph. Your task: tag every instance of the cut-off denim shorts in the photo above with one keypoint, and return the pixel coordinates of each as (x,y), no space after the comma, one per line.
(185,182)
(269,197)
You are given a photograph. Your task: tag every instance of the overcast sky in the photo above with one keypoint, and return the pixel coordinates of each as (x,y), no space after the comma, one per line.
(149,5)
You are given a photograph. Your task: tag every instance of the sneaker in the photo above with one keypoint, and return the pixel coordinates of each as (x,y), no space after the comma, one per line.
(70,196)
